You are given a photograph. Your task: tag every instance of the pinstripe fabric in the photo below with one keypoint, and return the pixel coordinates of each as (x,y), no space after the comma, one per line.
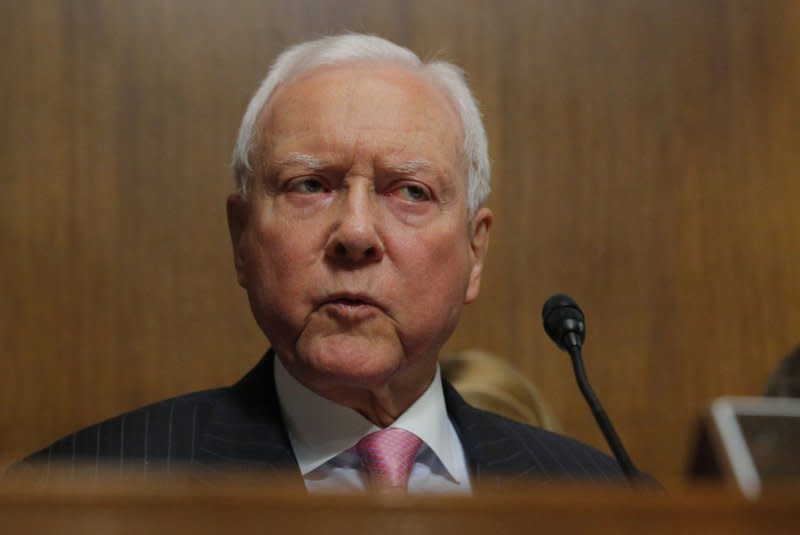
(224,430)
(241,428)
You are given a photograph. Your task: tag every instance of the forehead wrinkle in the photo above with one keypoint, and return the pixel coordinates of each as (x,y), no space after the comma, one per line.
(307,160)
(411,166)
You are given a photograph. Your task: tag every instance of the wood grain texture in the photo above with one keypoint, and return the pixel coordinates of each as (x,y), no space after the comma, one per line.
(159,505)
(644,160)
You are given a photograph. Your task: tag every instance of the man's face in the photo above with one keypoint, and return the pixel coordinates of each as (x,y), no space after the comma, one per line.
(355,246)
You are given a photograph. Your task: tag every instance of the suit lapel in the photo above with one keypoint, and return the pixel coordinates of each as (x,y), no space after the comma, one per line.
(245,428)
(492,449)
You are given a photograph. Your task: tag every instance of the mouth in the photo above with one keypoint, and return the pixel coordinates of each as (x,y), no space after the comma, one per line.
(350,299)
(351,303)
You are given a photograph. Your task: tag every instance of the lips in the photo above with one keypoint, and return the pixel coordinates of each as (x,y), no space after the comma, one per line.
(350,302)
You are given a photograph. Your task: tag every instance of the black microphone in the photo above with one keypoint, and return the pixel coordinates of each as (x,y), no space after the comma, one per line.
(564,324)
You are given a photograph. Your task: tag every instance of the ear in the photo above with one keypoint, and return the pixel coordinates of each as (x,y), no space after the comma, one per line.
(238,217)
(479,244)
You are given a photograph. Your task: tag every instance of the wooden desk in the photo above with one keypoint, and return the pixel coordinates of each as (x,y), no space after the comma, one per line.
(183,505)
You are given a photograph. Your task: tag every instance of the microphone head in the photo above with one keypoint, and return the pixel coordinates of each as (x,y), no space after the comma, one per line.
(563,321)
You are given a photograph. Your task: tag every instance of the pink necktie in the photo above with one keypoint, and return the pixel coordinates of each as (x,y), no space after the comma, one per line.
(388,456)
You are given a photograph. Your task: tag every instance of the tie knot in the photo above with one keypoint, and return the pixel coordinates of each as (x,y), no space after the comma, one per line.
(388,456)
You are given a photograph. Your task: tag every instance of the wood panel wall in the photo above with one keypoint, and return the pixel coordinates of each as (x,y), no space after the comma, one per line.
(645,161)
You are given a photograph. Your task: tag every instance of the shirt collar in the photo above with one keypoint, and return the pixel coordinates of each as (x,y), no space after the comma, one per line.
(320,429)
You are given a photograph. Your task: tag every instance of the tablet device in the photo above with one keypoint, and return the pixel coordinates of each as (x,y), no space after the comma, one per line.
(757,440)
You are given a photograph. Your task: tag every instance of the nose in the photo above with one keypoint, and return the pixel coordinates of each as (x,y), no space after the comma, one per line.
(355,239)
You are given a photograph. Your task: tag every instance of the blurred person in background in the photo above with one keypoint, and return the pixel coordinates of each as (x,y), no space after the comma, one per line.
(785,380)
(487,382)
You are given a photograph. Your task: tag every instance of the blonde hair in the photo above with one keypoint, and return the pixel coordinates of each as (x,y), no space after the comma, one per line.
(490,383)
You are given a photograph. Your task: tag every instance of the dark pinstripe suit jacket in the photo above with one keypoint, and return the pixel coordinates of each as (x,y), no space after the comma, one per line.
(241,427)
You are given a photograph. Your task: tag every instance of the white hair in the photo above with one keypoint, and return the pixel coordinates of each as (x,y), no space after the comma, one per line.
(355,47)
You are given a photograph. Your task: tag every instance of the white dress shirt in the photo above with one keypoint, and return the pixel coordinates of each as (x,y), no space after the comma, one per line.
(322,433)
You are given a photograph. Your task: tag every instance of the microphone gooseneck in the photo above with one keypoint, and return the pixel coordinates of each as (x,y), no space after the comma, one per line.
(564,323)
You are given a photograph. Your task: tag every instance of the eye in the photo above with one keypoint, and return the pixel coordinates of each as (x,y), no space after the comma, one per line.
(413,192)
(307,185)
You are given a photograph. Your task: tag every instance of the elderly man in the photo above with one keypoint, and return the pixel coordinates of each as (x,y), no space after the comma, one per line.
(359,231)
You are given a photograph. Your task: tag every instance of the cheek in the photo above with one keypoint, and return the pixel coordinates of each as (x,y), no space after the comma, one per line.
(280,279)
(435,276)
(280,257)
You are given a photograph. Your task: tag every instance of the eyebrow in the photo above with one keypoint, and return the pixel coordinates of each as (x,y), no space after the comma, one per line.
(307,160)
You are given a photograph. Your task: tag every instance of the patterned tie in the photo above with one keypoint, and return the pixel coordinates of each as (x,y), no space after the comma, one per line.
(388,456)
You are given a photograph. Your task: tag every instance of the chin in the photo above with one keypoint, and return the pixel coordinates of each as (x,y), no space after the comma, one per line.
(345,360)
